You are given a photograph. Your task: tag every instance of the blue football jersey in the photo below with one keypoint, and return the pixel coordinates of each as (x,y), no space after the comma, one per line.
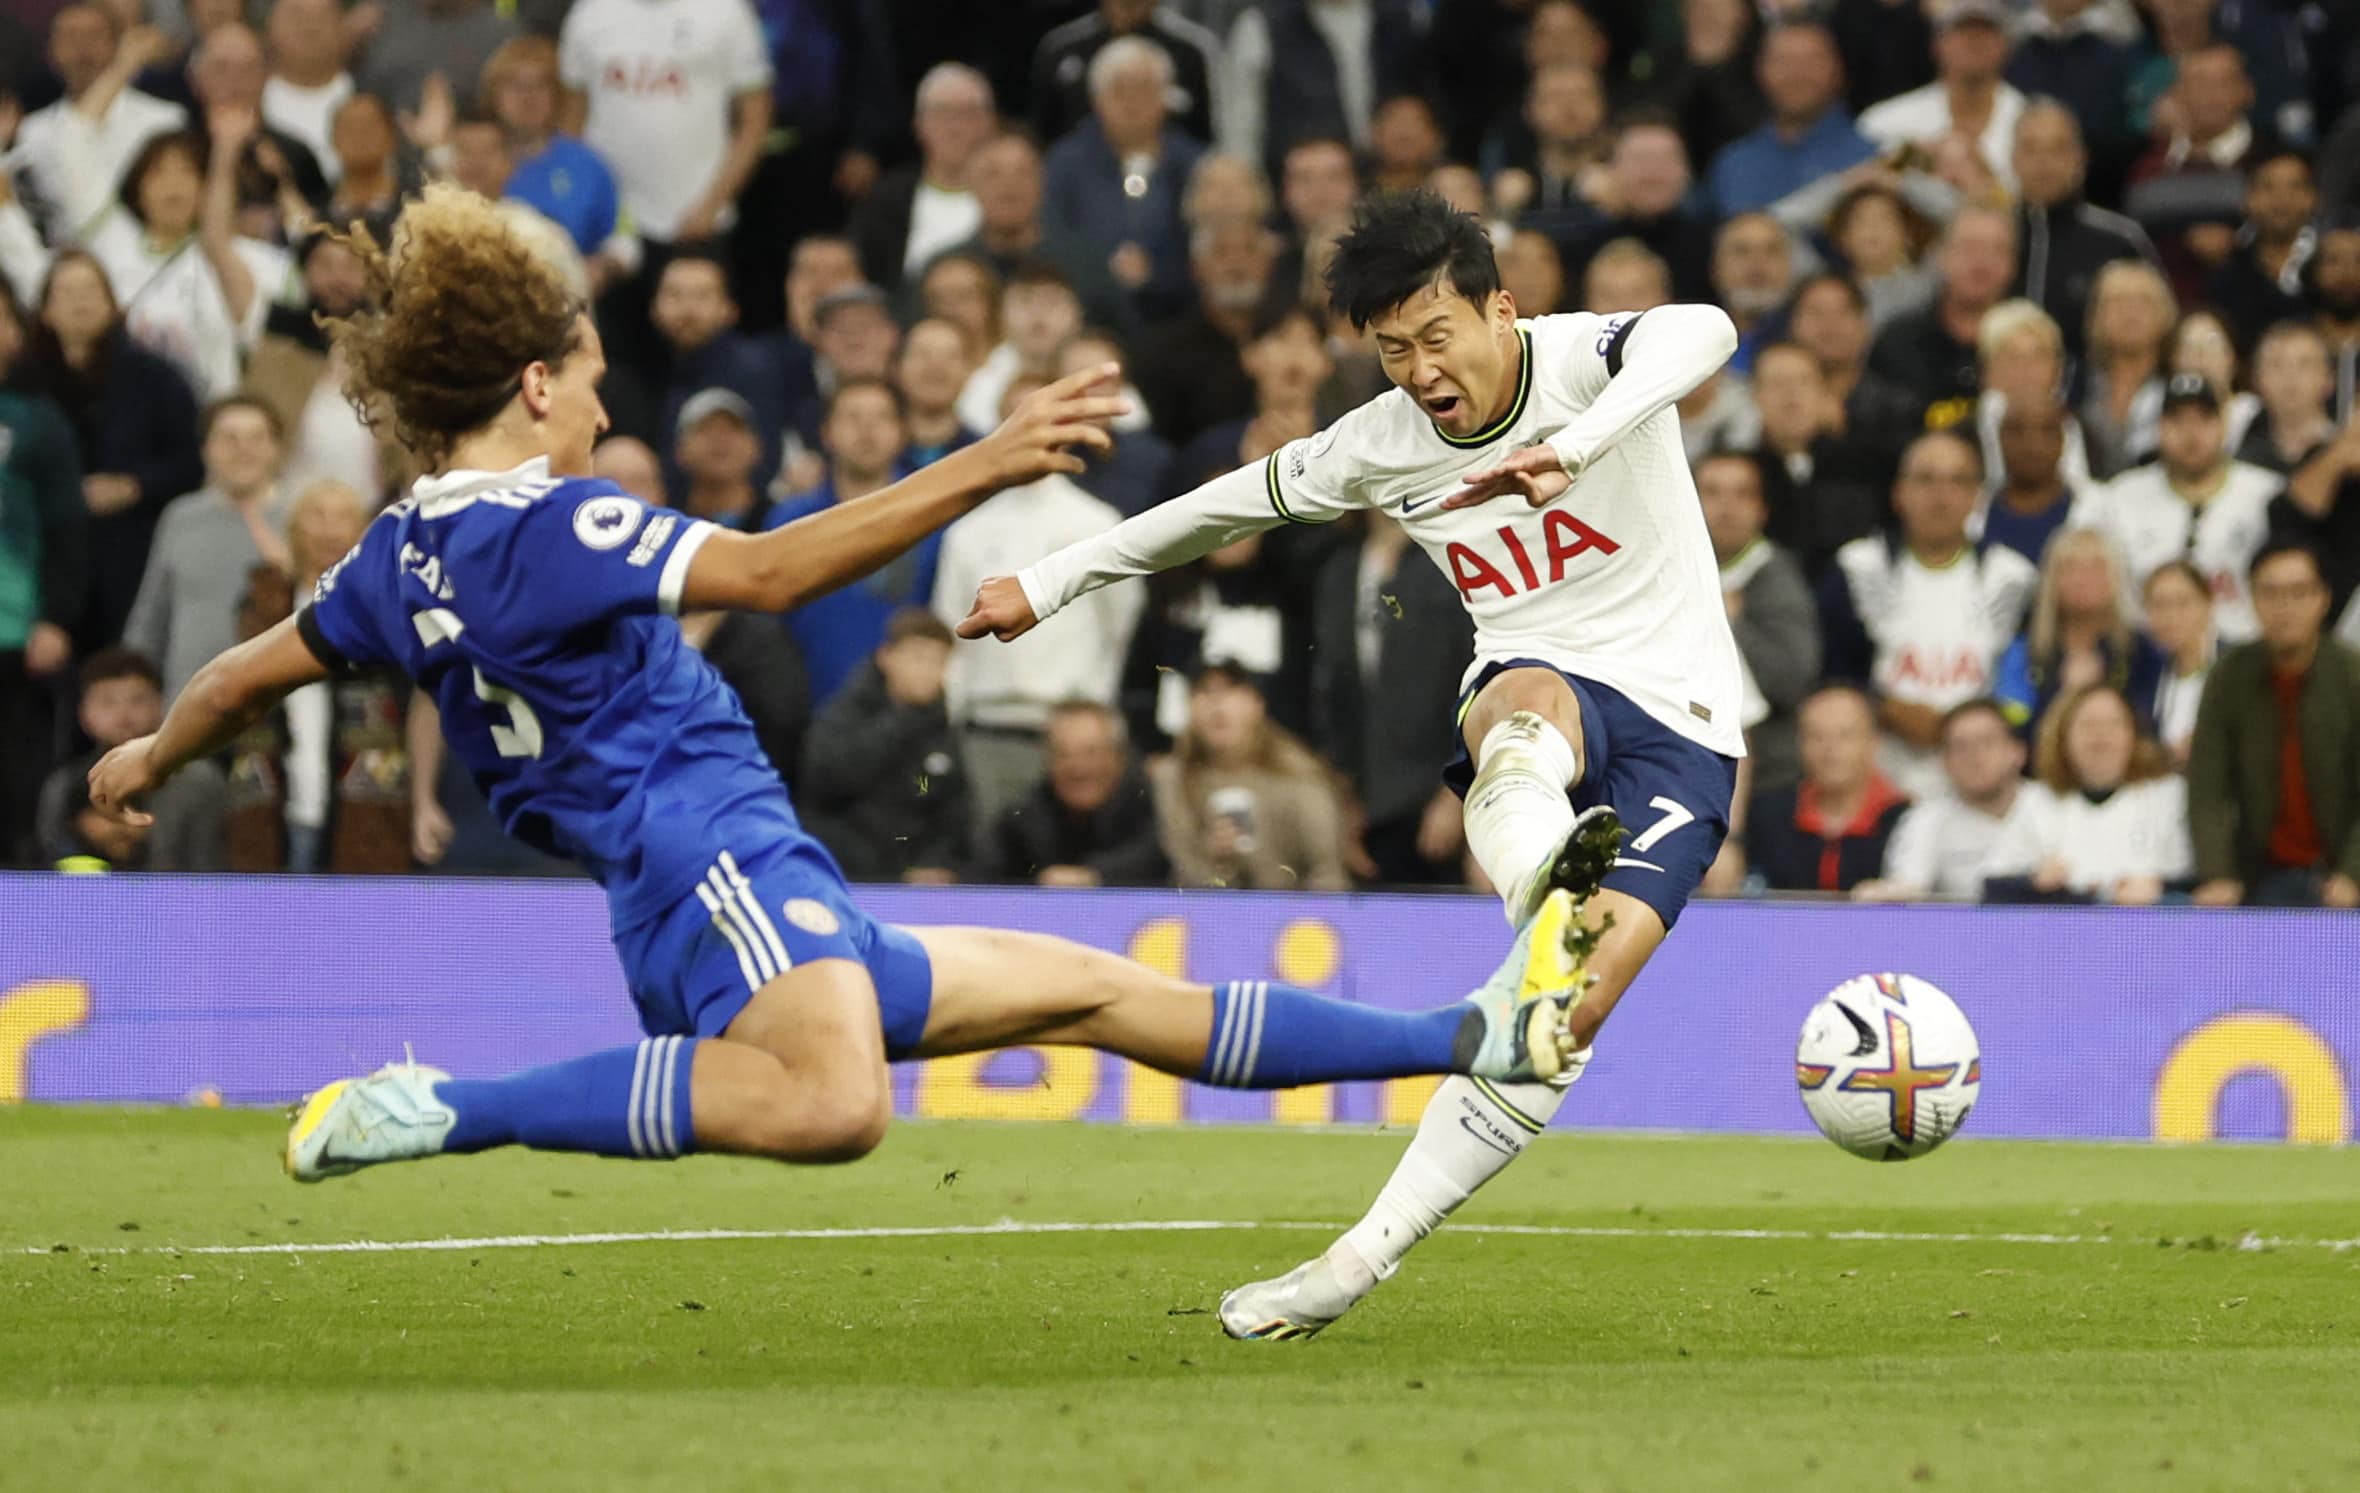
(537,613)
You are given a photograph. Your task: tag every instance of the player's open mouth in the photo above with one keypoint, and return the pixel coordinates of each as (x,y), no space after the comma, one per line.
(1442,406)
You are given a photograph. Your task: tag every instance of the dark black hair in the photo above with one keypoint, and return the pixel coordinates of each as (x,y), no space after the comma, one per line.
(1277,311)
(119,663)
(185,142)
(855,385)
(1402,242)
(2279,548)
(1845,283)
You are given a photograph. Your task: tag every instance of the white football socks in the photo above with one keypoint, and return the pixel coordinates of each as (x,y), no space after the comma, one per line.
(1470,1130)
(1517,812)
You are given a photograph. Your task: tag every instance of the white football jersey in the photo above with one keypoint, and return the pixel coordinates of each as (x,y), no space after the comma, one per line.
(2150,525)
(1615,581)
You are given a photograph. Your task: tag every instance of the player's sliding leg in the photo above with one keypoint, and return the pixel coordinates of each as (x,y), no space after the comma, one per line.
(799,1074)
(995,988)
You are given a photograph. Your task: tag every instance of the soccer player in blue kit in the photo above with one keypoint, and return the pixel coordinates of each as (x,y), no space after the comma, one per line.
(536,607)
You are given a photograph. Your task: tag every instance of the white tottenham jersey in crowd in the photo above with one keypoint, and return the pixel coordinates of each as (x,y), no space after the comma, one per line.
(1615,581)
(2150,525)
(2141,829)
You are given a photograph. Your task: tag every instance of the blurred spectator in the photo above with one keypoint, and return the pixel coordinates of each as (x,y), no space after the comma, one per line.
(1389,644)
(674,95)
(1719,415)
(1286,358)
(76,150)
(632,465)
(1770,610)
(1967,97)
(1644,196)
(1932,353)
(276,174)
(94,843)
(1828,832)
(2335,310)
(1242,803)
(1091,822)
(2065,240)
(2179,624)
(378,171)
(1753,274)
(301,378)
(2262,282)
(2131,313)
(2292,380)
(821,265)
(2201,343)
(2034,497)
(1821,492)
(1039,313)
(716,448)
(929,371)
(2322,506)
(1001,694)
(1114,183)
(1532,273)
(863,438)
(1888,49)
(1131,476)
(2188,191)
(1882,240)
(1189,367)
(187,609)
(2079,634)
(307,49)
(122,700)
(44,563)
(1061,64)
(2076,53)
(135,429)
(1005,174)
(882,786)
(420,41)
(1546,163)
(553,172)
(915,212)
(195,291)
(2021,354)
(696,316)
(1300,68)
(2108,819)
(964,290)
(2274,770)
(1924,616)
(1318,183)
(1829,319)
(1625,275)
(766,673)
(855,337)
(1809,134)
(1709,84)
(1942,844)
(2195,502)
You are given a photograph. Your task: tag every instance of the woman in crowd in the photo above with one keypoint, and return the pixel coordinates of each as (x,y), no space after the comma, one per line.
(1882,238)
(192,289)
(2109,818)
(2131,313)
(2022,352)
(134,424)
(2079,634)
(1241,801)
(2201,344)
(2180,628)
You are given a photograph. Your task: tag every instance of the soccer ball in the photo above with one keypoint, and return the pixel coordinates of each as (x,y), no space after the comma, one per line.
(1888,1066)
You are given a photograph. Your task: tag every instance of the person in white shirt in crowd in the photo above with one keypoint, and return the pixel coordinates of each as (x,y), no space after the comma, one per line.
(1942,845)
(1967,97)
(308,49)
(2201,343)
(1039,313)
(1001,696)
(1923,616)
(193,289)
(2194,501)
(2180,625)
(2022,350)
(77,149)
(2107,820)
(916,212)
(2293,379)
(2131,313)
(675,95)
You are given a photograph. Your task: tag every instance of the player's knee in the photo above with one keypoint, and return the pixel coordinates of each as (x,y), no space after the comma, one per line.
(846,1120)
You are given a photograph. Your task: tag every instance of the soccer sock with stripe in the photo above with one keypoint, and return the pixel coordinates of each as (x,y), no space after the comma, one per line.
(1517,813)
(1269,1036)
(625,1101)
(1470,1130)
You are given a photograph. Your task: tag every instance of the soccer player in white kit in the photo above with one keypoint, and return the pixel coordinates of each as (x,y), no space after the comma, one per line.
(1604,696)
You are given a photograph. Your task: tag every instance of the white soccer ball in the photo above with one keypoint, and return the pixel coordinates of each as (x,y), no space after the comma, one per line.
(1888,1066)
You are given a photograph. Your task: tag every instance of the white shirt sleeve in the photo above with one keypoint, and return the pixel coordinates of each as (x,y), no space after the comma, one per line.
(575,66)
(271,267)
(2175,853)
(747,57)
(1247,75)
(1910,853)
(1638,364)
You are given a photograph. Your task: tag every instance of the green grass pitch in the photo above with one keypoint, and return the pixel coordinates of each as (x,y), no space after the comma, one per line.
(2180,1321)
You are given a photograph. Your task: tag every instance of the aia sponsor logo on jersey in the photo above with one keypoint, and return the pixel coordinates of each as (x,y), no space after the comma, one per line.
(1936,670)
(1564,538)
(646,76)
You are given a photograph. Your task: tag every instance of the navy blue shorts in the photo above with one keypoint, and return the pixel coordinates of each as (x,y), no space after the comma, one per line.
(1672,794)
(749,921)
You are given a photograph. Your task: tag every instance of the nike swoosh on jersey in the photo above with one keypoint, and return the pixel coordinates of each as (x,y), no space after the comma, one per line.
(1408,507)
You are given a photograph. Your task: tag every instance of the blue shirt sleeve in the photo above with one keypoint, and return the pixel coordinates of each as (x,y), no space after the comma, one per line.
(344,623)
(590,552)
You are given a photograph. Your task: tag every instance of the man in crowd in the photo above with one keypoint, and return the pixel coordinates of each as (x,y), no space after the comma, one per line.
(1090,822)
(1809,135)
(2262,282)
(122,700)
(76,149)
(1189,368)
(1822,489)
(1753,274)
(918,211)
(1770,611)
(2188,190)
(1967,97)
(1061,64)
(1005,175)
(1941,844)
(696,316)
(929,371)
(717,451)
(1828,832)
(308,49)
(1829,319)
(2335,311)
(1647,183)
(1114,183)
(1933,353)
(1039,313)
(2065,240)
(882,785)
(2033,498)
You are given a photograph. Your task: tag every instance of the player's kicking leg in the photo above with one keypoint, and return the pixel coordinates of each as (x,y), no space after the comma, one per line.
(1535,751)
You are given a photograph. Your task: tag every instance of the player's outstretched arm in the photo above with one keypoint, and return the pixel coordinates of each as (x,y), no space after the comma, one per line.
(216,706)
(1659,358)
(1192,525)
(781,570)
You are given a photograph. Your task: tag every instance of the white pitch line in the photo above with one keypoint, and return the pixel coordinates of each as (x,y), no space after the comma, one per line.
(2248,1243)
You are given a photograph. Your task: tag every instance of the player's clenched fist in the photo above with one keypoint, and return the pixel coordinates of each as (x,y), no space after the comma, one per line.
(1538,472)
(1035,438)
(119,777)
(1001,611)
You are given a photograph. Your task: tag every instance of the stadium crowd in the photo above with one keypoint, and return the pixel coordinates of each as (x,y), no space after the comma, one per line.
(2035,481)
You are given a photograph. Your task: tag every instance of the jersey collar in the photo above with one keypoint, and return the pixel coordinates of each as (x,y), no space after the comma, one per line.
(456,489)
(1499,427)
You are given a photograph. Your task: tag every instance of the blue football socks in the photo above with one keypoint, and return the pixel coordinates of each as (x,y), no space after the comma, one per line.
(626,1101)
(1269,1036)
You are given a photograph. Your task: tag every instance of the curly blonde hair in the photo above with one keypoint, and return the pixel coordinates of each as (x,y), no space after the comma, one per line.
(456,308)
